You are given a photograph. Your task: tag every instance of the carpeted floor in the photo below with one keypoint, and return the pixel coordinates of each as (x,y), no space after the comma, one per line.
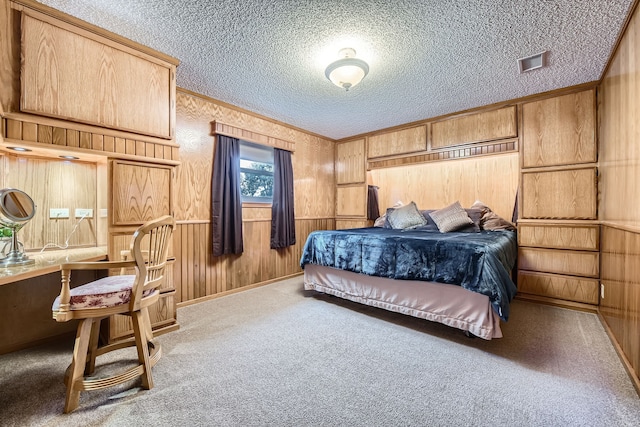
(281,356)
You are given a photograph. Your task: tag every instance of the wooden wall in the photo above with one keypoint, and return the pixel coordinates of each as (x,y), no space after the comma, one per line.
(434,185)
(197,273)
(619,188)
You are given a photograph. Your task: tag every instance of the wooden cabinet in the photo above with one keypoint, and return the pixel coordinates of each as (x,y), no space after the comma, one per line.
(351,185)
(473,128)
(403,141)
(558,236)
(139,192)
(93,79)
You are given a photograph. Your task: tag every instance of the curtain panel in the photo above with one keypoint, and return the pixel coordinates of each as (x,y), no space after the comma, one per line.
(283,225)
(226,201)
(373,211)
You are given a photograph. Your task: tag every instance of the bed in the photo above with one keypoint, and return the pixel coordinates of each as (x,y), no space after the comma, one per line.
(459,277)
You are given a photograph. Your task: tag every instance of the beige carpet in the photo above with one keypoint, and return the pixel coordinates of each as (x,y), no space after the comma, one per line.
(280,356)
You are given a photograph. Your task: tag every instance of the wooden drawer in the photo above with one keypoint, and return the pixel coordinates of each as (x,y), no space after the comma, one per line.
(560,194)
(561,237)
(557,286)
(573,263)
(162,313)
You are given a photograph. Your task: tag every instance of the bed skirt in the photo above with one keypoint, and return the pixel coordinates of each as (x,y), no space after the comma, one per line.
(438,302)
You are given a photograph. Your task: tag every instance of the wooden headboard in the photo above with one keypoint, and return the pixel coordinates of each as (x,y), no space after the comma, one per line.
(491,179)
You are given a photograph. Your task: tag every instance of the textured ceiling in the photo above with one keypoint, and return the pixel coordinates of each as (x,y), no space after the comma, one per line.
(427,58)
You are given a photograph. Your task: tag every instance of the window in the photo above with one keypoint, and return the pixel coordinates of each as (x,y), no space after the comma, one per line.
(256,173)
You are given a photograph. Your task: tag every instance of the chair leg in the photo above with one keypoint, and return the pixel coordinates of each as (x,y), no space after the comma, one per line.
(93,347)
(142,340)
(77,367)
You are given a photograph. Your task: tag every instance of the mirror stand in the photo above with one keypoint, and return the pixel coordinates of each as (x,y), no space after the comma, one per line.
(15,257)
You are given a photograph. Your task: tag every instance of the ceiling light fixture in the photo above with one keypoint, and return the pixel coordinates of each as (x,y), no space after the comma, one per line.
(22,149)
(348,71)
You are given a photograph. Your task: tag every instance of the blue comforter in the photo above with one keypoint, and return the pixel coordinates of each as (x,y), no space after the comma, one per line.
(479,262)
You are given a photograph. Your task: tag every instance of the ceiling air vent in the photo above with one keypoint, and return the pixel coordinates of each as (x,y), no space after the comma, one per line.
(533,62)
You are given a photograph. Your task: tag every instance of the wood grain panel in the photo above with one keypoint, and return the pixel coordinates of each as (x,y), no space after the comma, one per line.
(491,179)
(568,194)
(351,162)
(560,237)
(351,201)
(559,130)
(140,192)
(398,142)
(313,160)
(472,128)
(43,179)
(251,136)
(620,306)
(161,314)
(107,85)
(558,286)
(198,275)
(573,263)
(342,224)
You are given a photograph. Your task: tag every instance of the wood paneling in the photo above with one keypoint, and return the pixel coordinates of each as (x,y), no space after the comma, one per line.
(351,162)
(619,166)
(55,184)
(559,130)
(620,306)
(398,142)
(578,237)
(455,153)
(199,275)
(568,194)
(491,179)
(472,128)
(570,288)
(247,135)
(139,192)
(107,84)
(342,224)
(313,168)
(351,201)
(573,263)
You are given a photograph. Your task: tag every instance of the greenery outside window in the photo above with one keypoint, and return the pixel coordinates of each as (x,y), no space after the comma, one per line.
(256,173)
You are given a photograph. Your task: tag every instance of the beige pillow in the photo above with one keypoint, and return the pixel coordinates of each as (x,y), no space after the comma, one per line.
(405,217)
(490,220)
(451,218)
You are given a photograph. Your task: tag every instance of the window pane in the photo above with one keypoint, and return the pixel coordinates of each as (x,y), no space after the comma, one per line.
(256,173)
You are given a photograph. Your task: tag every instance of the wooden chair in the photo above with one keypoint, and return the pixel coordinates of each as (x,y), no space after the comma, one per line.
(121,294)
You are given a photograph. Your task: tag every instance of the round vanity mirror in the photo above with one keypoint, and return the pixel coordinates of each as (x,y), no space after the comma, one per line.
(16,209)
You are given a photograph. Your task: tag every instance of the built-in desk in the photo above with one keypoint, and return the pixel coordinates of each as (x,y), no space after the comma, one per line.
(49,262)
(27,293)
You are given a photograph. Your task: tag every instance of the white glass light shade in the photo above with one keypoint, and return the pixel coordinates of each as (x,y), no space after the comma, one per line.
(347,72)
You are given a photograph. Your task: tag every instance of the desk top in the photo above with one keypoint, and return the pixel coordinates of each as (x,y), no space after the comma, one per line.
(49,262)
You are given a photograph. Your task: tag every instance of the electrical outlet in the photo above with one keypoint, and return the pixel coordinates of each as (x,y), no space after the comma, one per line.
(87,213)
(601,290)
(58,213)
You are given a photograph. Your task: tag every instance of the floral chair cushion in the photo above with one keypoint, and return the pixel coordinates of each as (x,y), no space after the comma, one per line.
(106,292)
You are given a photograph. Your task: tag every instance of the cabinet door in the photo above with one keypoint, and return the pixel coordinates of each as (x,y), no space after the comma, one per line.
(140,192)
(350,162)
(92,79)
(561,194)
(572,263)
(472,128)
(559,131)
(404,141)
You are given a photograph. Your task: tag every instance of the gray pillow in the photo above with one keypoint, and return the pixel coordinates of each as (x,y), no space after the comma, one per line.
(405,217)
(451,218)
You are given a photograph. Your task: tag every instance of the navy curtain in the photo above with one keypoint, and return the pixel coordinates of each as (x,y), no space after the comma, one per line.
(283,225)
(226,200)
(373,211)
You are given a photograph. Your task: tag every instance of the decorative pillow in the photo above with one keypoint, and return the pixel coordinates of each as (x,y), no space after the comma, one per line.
(451,218)
(476,216)
(396,205)
(405,217)
(490,220)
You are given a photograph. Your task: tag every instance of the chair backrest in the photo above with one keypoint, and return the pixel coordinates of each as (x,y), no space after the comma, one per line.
(149,249)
